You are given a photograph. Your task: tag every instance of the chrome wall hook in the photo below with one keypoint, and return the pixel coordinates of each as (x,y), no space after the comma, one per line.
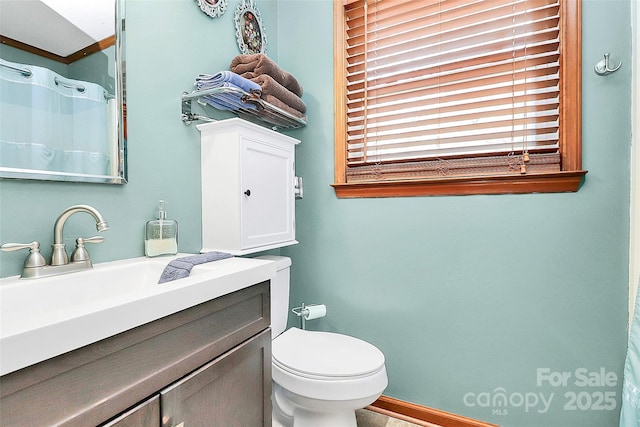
(603,68)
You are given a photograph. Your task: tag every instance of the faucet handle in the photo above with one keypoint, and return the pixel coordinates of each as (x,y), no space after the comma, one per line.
(94,239)
(34,259)
(80,253)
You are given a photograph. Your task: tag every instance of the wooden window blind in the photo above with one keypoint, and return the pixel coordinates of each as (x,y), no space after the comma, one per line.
(452,90)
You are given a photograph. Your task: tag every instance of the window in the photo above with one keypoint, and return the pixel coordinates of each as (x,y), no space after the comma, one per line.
(438,97)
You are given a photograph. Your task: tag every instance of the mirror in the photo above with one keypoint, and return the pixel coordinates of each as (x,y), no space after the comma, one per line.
(62,90)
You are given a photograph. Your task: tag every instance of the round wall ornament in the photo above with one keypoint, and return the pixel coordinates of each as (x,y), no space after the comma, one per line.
(250,32)
(213,8)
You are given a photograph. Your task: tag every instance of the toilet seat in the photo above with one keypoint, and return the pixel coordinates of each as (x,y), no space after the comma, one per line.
(325,355)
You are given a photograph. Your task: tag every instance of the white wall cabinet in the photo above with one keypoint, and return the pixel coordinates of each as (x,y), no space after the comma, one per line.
(248,187)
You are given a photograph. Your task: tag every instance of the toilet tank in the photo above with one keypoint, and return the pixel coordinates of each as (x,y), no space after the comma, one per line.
(279,294)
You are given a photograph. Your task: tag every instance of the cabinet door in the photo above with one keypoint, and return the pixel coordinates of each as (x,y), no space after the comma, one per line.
(267,193)
(233,390)
(146,414)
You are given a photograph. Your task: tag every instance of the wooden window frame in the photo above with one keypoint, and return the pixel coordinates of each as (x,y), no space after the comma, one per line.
(570,135)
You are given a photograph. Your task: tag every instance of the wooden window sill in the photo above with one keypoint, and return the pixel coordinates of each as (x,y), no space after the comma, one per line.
(556,182)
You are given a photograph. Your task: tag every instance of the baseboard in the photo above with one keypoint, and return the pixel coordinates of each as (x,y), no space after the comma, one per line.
(423,413)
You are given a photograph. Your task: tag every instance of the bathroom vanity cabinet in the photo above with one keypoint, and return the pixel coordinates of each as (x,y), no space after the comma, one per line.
(248,187)
(209,365)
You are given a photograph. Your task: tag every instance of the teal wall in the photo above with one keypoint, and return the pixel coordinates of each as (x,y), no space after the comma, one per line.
(470,298)
(10,53)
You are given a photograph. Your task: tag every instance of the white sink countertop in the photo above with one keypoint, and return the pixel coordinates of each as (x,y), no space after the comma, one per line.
(43,318)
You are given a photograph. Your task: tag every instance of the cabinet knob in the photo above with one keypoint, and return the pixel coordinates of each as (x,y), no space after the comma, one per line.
(247,193)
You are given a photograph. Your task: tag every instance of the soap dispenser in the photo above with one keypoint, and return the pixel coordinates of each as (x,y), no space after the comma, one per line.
(161,234)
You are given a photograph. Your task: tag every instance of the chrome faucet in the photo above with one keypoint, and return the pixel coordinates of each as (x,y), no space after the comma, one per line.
(59,255)
(35,265)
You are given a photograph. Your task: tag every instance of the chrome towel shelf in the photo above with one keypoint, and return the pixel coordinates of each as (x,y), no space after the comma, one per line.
(264,113)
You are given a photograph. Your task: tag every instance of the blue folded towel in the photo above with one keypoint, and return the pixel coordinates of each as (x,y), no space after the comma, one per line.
(227,101)
(180,268)
(232,101)
(207,81)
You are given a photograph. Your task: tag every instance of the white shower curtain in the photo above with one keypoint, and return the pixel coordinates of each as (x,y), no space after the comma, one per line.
(52,123)
(630,412)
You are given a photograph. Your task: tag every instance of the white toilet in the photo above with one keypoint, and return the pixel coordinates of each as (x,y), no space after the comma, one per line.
(319,378)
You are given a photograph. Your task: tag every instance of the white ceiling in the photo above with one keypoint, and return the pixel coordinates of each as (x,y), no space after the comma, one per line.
(61,27)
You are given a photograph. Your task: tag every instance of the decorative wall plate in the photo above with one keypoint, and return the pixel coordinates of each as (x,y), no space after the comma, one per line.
(250,33)
(213,8)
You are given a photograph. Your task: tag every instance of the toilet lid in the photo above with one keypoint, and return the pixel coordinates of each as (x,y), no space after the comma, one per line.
(325,354)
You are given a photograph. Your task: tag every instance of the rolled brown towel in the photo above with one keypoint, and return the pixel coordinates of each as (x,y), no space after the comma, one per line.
(259,63)
(271,87)
(244,68)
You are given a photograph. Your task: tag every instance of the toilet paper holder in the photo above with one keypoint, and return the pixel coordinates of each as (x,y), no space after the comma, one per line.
(309,312)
